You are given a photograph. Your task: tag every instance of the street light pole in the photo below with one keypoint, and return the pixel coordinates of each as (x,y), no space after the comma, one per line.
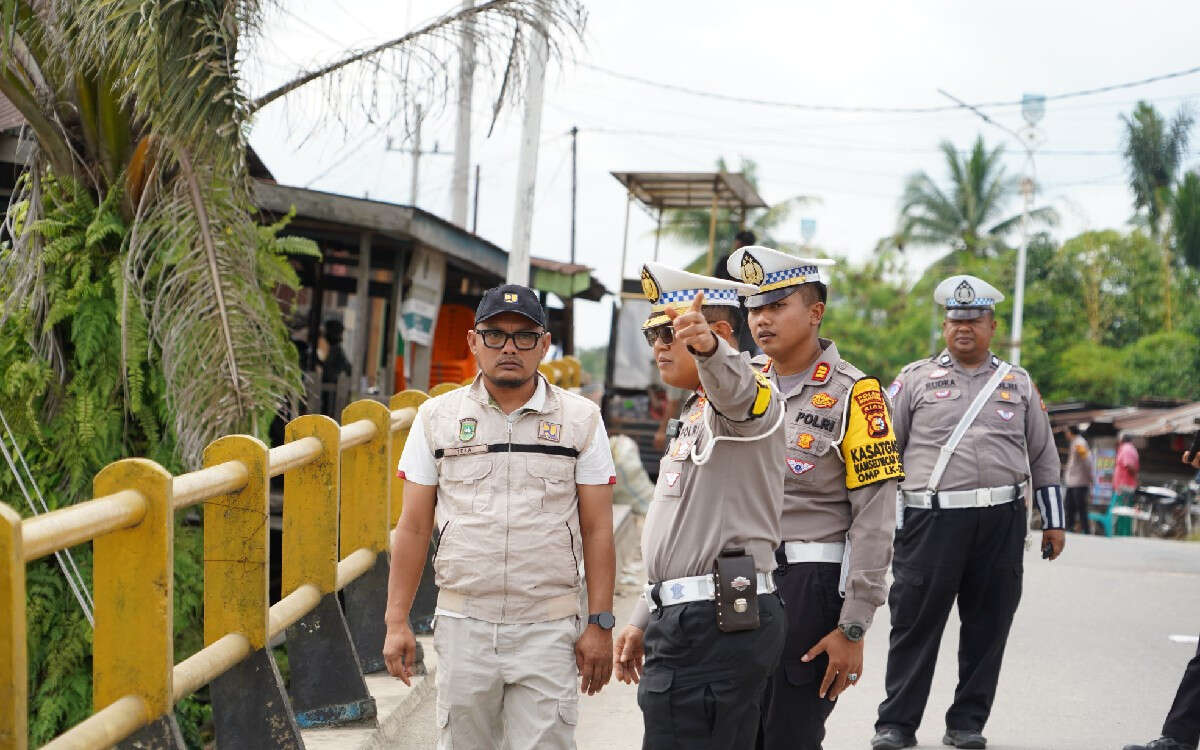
(1032,109)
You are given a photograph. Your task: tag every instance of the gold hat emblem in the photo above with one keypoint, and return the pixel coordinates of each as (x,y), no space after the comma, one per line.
(752,270)
(650,285)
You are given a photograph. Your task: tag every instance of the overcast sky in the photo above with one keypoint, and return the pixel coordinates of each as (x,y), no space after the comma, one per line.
(844,54)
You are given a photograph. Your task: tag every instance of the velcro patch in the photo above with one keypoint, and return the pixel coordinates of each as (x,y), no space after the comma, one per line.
(869,448)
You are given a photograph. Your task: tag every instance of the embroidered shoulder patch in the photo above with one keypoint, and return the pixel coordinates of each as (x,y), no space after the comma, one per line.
(869,448)
(821,372)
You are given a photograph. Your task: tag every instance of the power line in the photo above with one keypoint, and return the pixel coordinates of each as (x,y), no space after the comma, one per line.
(877,109)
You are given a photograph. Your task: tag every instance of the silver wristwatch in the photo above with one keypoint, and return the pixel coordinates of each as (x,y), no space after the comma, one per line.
(853,631)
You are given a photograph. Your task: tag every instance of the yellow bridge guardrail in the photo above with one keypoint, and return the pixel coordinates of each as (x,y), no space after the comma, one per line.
(334,478)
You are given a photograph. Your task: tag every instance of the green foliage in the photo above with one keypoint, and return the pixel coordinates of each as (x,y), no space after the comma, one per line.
(968,212)
(110,403)
(593,362)
(1154,151)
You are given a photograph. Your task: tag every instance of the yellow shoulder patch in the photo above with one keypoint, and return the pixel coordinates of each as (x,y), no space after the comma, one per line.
(869,447)
(762,399)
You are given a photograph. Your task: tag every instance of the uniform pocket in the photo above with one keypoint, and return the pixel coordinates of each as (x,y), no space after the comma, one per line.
(568,710)
(670,480)
(658,681)
(463,478)
(799,673)
(558,484)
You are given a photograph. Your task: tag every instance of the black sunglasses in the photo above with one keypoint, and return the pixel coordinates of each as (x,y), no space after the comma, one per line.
(497,339)
(664,333)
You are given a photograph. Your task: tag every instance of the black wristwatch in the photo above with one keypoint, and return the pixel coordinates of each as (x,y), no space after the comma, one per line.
(853,631)
(603,619)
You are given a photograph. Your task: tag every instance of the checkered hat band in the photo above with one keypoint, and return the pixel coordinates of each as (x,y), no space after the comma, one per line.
(711,296)
(977,302)
(799,272)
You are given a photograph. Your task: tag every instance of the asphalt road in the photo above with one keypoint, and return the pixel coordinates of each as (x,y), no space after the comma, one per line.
(1091,663)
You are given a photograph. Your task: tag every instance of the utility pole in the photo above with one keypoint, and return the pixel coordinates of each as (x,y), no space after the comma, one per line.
(416,153)
(460,179)
(1033,107)
(531,130)
(475,216)
(569,333)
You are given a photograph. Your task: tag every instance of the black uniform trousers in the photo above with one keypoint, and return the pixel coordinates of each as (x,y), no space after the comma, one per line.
(793,713)
(701,688)
(1183,721)
(1077,508)
(976,556)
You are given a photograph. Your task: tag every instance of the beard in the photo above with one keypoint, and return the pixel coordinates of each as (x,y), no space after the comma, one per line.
(508,380)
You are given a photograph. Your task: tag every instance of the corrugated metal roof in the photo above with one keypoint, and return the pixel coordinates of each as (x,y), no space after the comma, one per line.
(1139,421)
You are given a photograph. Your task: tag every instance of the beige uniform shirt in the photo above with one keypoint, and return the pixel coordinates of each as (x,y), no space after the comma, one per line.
(733,500)
(1008,442)
(817,505)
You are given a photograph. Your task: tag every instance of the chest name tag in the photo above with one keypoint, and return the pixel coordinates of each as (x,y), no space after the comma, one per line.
(466,450)
(869,447)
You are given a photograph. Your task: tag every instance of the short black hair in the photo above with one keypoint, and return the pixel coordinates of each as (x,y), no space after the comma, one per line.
(745,237)
(729,314)
(814,292)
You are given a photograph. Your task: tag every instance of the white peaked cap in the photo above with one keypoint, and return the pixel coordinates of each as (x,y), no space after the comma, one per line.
(669,287)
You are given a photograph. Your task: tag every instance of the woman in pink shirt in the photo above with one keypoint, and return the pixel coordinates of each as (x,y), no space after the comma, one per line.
(1125,480)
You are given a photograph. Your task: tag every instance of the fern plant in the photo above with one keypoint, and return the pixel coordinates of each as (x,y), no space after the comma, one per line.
(110,402)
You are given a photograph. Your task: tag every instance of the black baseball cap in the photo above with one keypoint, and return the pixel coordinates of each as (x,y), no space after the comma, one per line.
(512,298)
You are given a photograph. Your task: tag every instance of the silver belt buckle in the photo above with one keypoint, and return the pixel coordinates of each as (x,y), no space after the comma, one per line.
(983,497)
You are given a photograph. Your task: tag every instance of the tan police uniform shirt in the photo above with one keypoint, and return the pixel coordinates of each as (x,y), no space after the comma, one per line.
(733,500)
(1009,441)
(817,505)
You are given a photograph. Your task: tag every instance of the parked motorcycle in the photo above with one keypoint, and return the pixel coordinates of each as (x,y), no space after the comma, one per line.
(1169,509)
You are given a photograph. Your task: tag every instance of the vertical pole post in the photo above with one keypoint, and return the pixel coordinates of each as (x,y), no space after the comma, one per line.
(712,231)
(14,691)
(624,245)
(402,400)
(416,158)
(327,685)
(460,177)
(531,130)
(250,706)
(366,490)
(475,210)
(658,233)
(134,581)
(1022,256)
(362,313)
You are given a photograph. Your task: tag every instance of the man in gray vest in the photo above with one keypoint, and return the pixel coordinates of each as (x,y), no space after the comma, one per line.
(710,625)
(518,474)
(972,430)
(839,509)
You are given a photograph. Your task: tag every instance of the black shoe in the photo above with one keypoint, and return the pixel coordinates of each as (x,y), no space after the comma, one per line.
(1162,743)
(891,738)
(965,738)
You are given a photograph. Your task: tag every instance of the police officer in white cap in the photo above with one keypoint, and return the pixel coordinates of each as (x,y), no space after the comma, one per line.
(710,624)
(972,430)
(840,473)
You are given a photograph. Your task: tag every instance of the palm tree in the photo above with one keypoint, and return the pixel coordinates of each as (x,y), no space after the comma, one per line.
(967,215)
(1154,151)
(141,102)
(690,226)
(137,306)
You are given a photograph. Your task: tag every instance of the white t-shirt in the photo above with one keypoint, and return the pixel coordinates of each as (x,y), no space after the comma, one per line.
(594,465)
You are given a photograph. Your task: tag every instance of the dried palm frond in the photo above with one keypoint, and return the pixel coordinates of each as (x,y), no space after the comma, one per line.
(384,83)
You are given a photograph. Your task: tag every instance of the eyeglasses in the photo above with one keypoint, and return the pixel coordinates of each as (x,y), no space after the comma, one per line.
(663,333)
(497,339)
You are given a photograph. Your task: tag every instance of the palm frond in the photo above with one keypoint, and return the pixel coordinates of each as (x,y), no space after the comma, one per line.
(380,84)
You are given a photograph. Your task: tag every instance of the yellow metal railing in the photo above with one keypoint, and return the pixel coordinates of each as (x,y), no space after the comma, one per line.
(339,495)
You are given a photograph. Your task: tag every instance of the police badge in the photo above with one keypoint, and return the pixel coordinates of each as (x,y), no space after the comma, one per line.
(752,270)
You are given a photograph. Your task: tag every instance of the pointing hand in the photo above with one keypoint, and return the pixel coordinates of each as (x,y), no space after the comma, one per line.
(692,329)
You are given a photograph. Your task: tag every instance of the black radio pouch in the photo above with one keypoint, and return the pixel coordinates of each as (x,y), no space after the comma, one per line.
(737,591)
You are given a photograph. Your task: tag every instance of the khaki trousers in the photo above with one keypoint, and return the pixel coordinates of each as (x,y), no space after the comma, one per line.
(506,687)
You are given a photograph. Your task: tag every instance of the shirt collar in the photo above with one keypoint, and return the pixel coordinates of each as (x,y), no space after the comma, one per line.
(945,359)
(536,402)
